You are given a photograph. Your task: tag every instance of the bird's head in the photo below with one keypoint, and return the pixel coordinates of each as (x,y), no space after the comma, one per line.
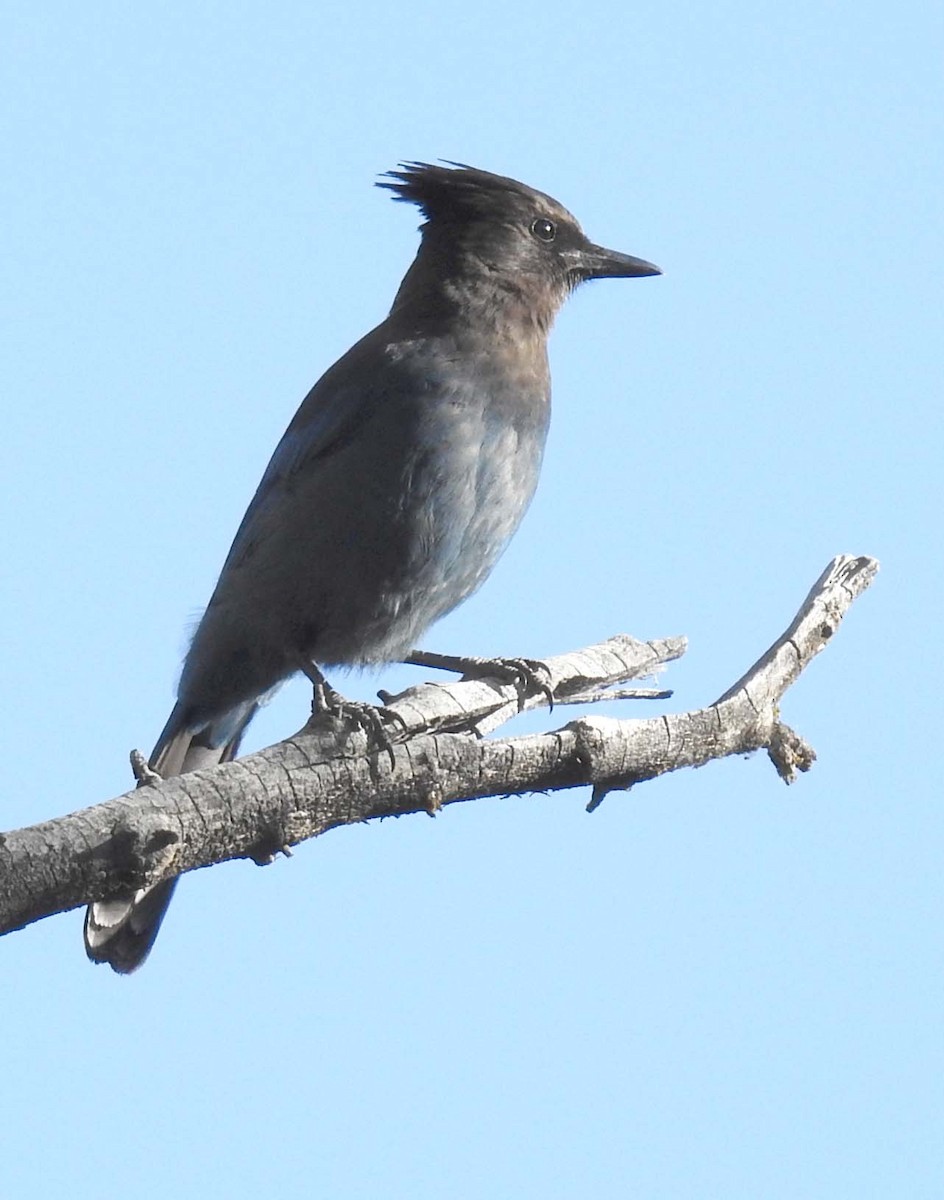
(485,227)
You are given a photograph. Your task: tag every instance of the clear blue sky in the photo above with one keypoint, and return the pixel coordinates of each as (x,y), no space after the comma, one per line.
(712,987)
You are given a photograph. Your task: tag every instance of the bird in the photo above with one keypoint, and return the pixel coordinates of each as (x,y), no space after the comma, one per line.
(396,486)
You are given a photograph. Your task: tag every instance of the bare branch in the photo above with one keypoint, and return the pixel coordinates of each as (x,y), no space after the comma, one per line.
(326,775)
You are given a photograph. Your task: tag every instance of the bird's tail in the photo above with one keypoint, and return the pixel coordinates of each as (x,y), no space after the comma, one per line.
(121,931)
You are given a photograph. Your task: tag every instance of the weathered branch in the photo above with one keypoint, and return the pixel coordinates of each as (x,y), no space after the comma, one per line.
(326,775)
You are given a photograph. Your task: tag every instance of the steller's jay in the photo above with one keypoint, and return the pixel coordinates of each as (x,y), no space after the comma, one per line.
(396,486)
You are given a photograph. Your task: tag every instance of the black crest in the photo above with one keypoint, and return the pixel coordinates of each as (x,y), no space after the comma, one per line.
(457,192)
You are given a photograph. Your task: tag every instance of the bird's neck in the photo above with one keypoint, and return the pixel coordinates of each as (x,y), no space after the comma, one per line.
(439,292)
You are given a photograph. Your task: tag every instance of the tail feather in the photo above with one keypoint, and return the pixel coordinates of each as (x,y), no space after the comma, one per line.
(121,931)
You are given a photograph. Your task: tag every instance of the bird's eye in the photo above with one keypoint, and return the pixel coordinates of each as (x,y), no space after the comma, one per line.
(543,229)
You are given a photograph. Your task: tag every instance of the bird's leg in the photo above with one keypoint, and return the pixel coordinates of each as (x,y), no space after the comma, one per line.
(527,674)
(324,698)
(368,717)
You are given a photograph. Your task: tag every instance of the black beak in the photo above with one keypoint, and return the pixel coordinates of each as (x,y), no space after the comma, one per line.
(595,262)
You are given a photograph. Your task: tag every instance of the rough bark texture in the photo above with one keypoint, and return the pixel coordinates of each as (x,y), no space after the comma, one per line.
(327,775)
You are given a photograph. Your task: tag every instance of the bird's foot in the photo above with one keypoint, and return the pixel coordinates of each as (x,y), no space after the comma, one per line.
(529,675)
(374,722)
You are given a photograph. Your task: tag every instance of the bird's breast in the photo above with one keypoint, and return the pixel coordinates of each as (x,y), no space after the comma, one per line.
(447,475)
(385,518)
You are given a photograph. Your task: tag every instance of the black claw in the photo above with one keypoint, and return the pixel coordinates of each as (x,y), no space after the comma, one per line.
(527,674)
(391,714)
(534,676)
(367,717)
